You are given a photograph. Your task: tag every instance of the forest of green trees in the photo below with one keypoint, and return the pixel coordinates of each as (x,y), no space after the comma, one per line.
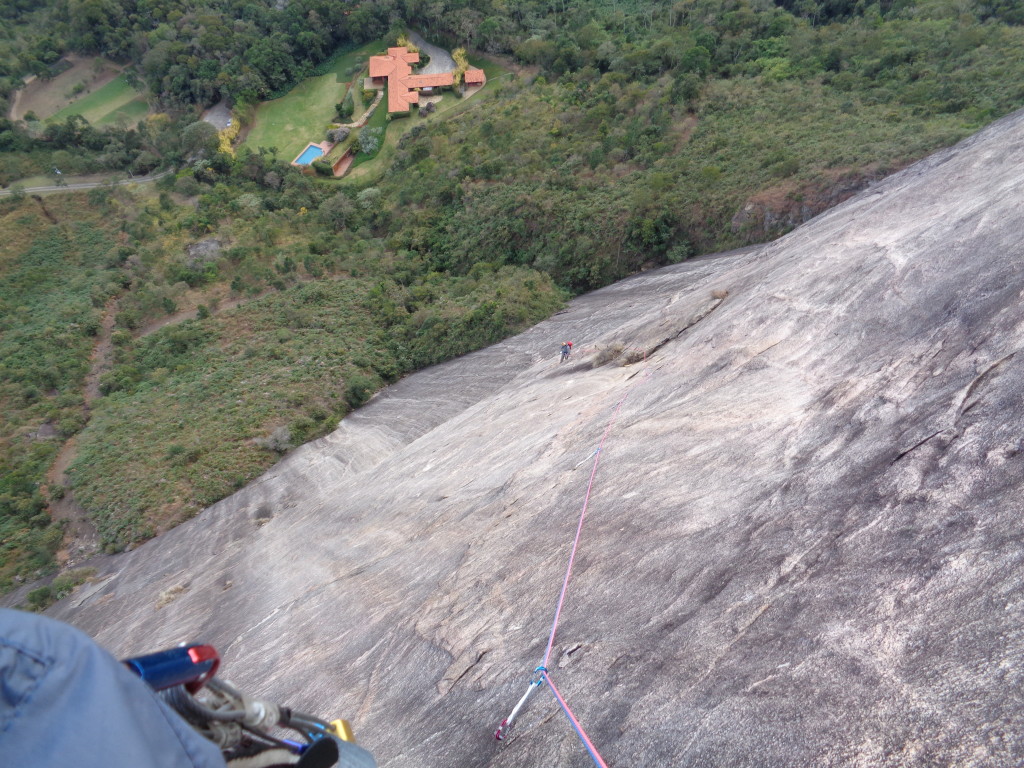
(196,53)
(630,134)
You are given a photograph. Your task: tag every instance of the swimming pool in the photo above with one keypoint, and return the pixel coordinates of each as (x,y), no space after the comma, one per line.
(309,154)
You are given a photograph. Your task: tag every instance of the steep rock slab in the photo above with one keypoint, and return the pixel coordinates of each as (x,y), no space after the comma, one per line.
(803,545)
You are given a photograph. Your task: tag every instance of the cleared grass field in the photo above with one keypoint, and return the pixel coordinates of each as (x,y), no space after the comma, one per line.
(115,99)
(130,113)
(44,98)
(303,115)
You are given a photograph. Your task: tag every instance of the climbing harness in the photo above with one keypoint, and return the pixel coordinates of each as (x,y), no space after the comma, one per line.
(542,671)
(185,679)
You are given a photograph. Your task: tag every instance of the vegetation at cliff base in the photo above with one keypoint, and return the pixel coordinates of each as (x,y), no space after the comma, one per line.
(221,397)
(54,286)
(275,329)
(238,306)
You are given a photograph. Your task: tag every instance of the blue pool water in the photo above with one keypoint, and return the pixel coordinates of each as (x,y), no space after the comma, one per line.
(309,154)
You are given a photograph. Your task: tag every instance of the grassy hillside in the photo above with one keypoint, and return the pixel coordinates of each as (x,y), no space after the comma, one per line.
(220,398)
(620,137)
(55,280)
(304,113)
(589,195)
(589,176)
(220,361)
(115,100)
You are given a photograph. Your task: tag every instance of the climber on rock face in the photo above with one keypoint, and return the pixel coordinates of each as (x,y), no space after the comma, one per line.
(566,349)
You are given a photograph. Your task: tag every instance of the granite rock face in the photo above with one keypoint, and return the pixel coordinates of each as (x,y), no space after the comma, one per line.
(803,545)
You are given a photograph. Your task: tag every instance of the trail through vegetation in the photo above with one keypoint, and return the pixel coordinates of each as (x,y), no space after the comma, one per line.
(609,138)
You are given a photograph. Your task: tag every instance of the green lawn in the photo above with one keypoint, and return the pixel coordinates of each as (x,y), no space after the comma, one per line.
(303,115)
(130,113)
(35,181)
(103,106)
(358,107)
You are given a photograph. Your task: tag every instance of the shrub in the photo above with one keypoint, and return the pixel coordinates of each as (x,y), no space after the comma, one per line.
(338,135)
(40,598)
(278,441)
(369,198)
(323,168)
(678,253)
(64,584)
(607,353)
(303,428)
(369,140)
(359,389)
(187,185)
(72,423)
(345,107)
(336,211)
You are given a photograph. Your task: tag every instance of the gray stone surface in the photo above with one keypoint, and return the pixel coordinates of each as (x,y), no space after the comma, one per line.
(219,115)
(803,547)
(202,252)
(440,59)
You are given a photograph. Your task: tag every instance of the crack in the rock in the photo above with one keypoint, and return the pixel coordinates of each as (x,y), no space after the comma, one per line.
(914,447)
(685,328)
(973,386)
(962,408)
(467,670)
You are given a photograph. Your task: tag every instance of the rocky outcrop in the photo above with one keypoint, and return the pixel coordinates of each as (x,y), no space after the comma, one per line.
(777,210)
(202,252)
(803,539)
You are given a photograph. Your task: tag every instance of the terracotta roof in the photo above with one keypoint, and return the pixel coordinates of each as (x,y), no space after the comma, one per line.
(429,81)
(402,83)
(474,76)
(400,99)
(397,60)
(409,57)
(381,66)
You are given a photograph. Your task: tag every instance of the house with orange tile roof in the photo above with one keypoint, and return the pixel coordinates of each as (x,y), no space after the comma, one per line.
(395,69)
(474,76)
(396,59)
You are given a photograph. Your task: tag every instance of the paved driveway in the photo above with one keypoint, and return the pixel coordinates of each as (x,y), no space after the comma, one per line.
(440,59)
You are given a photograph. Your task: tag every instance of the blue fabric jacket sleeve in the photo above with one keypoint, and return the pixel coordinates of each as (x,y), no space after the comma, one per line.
(65,701)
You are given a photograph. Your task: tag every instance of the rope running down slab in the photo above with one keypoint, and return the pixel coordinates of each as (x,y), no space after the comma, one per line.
(543,677)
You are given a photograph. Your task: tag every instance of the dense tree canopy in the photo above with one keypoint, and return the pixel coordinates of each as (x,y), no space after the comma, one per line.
(197,53)
(633,133)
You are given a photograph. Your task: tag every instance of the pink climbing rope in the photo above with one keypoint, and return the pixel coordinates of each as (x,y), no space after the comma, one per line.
(542,669)
(579,528)
(575,724)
